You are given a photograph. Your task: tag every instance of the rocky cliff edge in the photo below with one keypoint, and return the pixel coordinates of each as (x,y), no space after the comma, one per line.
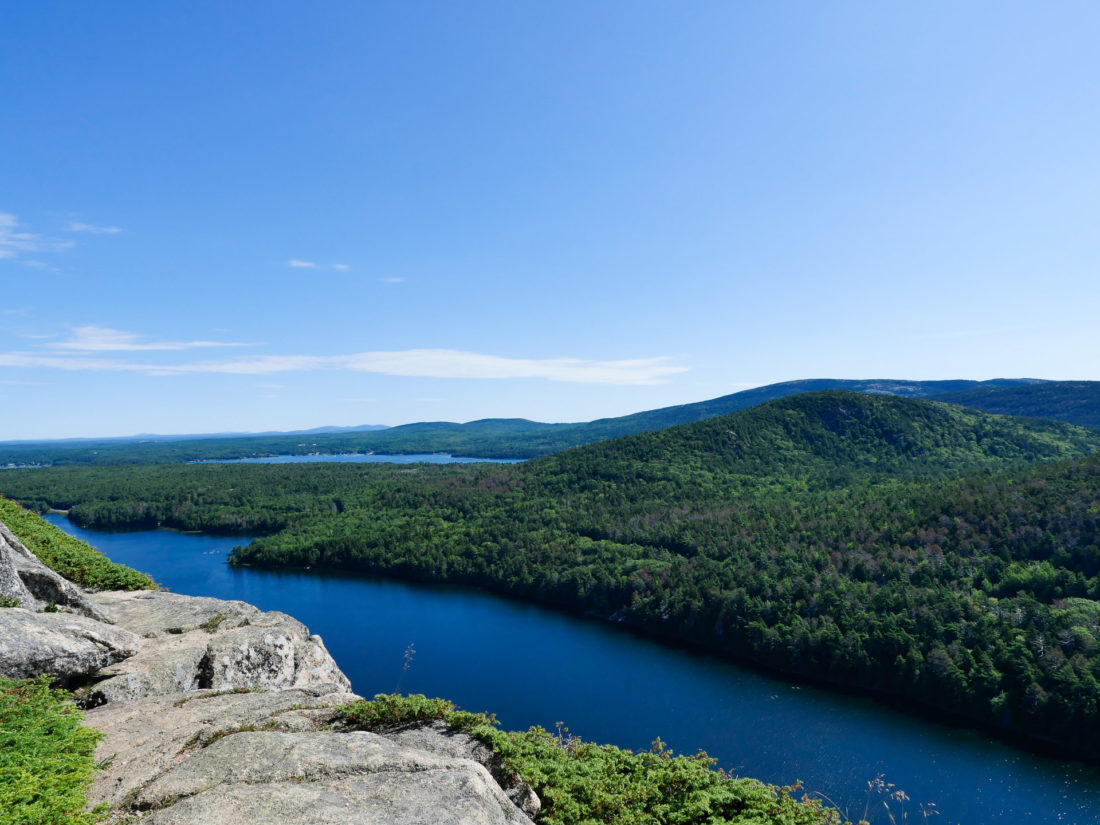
(217,712)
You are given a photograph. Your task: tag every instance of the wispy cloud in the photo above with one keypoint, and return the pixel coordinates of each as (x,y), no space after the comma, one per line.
(392,280)
(298,263)
(93,338)
(422,363)
(11,241)
(14,241)
(74,363)
(92,229)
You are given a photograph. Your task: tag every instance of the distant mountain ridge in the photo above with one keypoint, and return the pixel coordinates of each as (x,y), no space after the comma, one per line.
(1075,402)
(147,437)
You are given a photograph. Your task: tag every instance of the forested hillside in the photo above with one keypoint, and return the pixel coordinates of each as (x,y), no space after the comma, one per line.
(488,438)
(924,550)
(1075,402)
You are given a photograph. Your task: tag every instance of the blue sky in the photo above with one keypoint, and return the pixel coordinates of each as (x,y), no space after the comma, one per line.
(273,215)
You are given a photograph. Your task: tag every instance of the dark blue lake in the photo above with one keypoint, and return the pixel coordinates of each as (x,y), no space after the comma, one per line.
(362,458)
(531,665)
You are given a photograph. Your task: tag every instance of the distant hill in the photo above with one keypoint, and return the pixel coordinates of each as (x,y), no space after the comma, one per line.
(1075,402)
(485,438)
(824,434)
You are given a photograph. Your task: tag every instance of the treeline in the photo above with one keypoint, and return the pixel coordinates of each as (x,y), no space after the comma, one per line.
(923,550)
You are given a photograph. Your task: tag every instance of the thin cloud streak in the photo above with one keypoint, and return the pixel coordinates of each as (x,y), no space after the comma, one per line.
(298,263)
(94,338)
(420,363)
(92,229)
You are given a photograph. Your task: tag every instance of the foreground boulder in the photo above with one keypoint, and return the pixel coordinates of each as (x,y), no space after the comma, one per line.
(62,645)
(324,777)
(441,739)
(252,757)
(148,737)
(200,643)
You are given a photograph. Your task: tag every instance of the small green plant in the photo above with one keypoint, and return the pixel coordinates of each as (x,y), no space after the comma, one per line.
(212,624)
(46,756)
(9,601)
(389,711)
(181,702)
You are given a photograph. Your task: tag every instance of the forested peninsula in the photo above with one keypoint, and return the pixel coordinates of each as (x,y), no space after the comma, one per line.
(918,549)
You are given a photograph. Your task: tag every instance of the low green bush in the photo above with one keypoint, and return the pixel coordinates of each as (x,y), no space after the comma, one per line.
(46,757)
(581,783)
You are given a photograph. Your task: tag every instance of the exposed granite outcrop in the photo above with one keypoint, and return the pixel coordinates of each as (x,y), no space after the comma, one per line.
(217,712)
(33,584)
(439,738)
(194,643)
(325,777)
(63,645)
(148,737)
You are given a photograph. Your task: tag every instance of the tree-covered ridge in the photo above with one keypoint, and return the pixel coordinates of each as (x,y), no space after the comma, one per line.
(1075,402)
(488,438)
(901,546)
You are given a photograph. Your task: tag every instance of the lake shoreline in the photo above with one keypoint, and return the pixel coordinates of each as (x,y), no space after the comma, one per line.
(1026,742)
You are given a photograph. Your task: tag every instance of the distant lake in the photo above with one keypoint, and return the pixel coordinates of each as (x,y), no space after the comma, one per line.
(532,665)
(360,458)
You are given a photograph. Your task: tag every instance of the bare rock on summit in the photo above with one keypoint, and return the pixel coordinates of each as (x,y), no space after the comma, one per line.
(147,737)
(33,584)
(61,645)
(269,756)
(152,613)
(325,777)
(202,643)
(441,739)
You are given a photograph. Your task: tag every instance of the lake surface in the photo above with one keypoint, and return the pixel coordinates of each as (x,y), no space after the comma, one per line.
(531,665)
(361,458)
